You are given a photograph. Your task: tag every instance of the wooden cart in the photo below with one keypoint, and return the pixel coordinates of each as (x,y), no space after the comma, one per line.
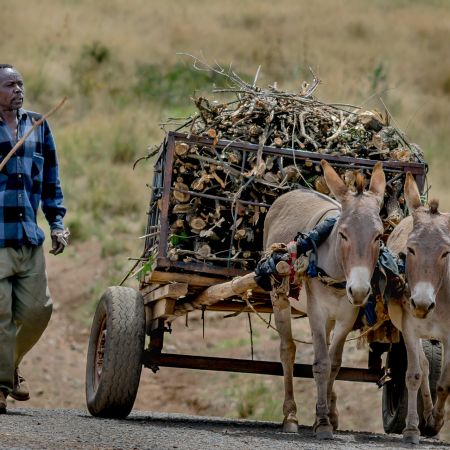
(173,287)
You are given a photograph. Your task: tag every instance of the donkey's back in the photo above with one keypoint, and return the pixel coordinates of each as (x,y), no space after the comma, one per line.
(294,212)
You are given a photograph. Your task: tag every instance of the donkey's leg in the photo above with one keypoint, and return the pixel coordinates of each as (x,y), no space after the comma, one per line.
(442,391)
(425,392)
(341,330)
(282,313)
(411,432)
(321,367)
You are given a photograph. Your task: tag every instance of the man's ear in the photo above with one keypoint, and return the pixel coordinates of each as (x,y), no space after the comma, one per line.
(333,180)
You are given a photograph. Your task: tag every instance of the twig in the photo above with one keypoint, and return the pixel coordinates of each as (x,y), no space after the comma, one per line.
(27,134)
(303,131)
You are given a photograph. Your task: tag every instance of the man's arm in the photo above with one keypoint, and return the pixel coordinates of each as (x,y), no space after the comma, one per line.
(52,195)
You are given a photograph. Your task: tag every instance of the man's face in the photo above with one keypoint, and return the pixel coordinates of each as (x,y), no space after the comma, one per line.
(11,90)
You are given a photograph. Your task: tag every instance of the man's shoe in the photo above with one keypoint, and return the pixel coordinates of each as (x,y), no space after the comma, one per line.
(3,395)
(20,391)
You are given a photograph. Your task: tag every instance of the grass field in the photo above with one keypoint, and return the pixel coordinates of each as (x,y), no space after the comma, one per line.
(118,64)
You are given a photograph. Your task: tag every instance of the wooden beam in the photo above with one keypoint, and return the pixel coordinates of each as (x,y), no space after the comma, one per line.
(191,279)
(173,290)
(248,366)
(163,308)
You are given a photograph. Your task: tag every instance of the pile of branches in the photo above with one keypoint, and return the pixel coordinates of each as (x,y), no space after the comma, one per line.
(220,194)
(297,120)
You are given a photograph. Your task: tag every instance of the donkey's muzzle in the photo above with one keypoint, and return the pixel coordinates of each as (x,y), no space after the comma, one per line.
(358,295)
(358,286)
(421,309)
(422,300)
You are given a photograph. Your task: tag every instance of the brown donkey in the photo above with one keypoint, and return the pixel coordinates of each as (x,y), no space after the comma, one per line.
(348,255)
(424,310)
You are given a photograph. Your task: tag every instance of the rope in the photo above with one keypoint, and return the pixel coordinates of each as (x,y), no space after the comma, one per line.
(269,325)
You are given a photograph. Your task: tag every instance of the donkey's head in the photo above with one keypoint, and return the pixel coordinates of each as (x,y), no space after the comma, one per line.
(427,251)
(359,229)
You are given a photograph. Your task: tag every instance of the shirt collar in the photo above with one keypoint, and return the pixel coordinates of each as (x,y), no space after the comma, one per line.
(21,113)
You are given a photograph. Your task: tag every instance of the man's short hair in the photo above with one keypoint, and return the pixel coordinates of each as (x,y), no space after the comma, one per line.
(6,66)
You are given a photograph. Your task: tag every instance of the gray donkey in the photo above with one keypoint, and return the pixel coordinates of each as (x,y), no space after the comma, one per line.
(348,255)
(424,310)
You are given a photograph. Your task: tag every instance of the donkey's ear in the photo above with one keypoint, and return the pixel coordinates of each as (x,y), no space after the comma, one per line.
(333,180)
(412,195)
(378,182)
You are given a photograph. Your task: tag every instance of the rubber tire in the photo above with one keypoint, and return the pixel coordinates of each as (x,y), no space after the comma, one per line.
(112,393)
(395,393)
(395,398)
(433,352)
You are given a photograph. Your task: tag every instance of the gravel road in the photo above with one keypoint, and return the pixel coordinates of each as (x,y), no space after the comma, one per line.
(25,428)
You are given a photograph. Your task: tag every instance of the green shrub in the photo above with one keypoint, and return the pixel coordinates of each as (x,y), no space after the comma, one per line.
(173,85)
(95,69)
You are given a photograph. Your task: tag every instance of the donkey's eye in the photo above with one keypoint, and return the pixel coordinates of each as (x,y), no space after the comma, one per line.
(411,250)
(378,237)
(445,254)
(342,236)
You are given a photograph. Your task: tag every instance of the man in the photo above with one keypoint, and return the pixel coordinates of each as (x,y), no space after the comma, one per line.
(28,179)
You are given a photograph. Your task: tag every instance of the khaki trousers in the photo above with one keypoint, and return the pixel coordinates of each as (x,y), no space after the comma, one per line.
(25,306)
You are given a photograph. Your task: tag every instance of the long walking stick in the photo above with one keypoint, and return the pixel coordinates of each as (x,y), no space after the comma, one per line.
(25,136)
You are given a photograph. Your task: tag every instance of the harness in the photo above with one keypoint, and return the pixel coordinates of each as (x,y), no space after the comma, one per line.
(386,281)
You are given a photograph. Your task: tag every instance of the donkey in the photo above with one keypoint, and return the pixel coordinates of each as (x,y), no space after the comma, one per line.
(424,309)
(349,254)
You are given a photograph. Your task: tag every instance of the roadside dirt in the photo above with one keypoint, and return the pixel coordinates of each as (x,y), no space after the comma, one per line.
(55,368)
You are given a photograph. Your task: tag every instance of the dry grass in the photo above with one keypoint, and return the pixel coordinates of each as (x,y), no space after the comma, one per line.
(90,51)
(398,48)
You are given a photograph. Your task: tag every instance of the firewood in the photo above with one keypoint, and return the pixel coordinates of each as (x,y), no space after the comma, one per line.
(320,185)
(178,193)
(221,193)
(197,224)
(181,148)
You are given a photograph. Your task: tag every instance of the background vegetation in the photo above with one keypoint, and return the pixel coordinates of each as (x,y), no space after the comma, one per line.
(117,62)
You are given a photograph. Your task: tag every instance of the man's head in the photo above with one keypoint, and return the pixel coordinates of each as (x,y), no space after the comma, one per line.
(11,88)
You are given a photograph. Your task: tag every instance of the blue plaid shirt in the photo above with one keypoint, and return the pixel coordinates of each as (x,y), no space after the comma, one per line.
(30,177)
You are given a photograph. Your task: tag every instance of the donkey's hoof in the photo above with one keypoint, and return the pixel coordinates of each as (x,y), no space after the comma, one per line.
(334,420)
(324,435)
(432,426)
(323,431)
(290,425)
(429,431)
(411,437)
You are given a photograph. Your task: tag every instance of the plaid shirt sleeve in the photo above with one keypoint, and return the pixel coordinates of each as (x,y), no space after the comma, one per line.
(52,196)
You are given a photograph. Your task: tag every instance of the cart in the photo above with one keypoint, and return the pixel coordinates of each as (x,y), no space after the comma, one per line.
(129,326)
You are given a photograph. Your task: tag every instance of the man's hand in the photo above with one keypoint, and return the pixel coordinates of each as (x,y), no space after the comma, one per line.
(60,240)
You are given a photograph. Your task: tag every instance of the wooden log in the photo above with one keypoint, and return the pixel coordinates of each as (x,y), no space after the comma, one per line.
(197,224)
(222,291)
(181,148)
(235,287)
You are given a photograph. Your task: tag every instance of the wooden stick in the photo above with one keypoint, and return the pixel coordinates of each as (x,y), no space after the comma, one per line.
(27,134)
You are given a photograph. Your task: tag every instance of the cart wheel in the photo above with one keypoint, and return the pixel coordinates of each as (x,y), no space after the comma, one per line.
(433,352)
(395,398)
(114,360)
(395,393)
